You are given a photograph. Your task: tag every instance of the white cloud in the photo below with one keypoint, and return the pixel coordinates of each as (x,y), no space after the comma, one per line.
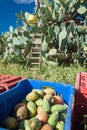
(24,1)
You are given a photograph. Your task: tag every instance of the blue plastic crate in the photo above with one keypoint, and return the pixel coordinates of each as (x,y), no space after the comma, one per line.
(10,98)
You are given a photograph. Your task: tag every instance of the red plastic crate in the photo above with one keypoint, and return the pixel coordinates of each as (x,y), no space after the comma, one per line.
(81,99)
(80,103)
(81,88)
(81,82)
(8,81)
(78,116)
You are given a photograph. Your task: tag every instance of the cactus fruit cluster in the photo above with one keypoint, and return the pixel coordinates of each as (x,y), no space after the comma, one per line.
(38,111)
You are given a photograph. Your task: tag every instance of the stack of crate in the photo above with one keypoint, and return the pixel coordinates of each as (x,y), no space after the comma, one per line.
(8,81)
(80,104)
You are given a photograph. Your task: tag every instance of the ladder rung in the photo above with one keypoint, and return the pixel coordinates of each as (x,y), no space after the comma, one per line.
(35,63)
(36,48)
(35,58)
(37,43)
(34,52)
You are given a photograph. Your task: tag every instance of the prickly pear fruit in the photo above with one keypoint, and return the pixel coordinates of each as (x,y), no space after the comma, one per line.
(49,97)
(32,109)
(34,124)
(47,127)
(58,108)
(58,100)
(32,19)
(26,125)
(10,123)
(46,106)
(32,96)
(50,91)
(40,92)
(21,113)
(40,109)
(53,119)
(39,102)
(60,125)
(43,117)
(18,106)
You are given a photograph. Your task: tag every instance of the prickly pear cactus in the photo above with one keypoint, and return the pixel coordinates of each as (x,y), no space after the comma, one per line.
(10,123)
(63,23)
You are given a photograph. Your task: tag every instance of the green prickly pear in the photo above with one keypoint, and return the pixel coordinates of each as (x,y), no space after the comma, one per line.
(32,109)
(53,119)
(46,106)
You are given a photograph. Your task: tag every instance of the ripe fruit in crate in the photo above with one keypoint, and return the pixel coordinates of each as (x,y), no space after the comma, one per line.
(21,113)
(60,125)
(32,96)
(42,116)
(18,106)
(10,123)
(49,97)
(32,109)
(49,90)
(53,119)
(40,92)
(47,127)
(26,125)
(39,109)
(58,100)
(39,102)
(34,124)
(58,108)
(46,106)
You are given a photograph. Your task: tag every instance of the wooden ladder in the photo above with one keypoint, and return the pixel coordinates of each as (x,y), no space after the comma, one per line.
(35,54)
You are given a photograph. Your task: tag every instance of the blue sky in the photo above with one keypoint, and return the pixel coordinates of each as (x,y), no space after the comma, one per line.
(8,9)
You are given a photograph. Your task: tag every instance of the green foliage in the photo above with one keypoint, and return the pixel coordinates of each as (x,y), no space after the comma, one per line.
(64,29)
(17,43)
(44,45)
(63,24)
(52,52)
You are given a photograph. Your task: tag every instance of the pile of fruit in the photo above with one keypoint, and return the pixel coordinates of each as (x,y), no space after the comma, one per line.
(40,110)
